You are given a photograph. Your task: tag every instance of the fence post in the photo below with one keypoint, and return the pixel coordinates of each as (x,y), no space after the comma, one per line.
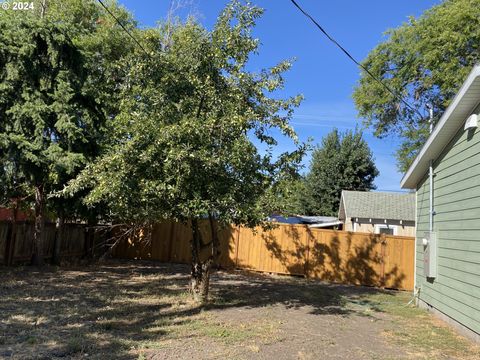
(383,243)
(11,236)
(6,249)
(10,243)
(308,235)
(89,239)
(237,246)
(59,231)
(170,241)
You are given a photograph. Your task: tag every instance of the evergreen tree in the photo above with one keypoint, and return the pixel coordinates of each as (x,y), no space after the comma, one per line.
(342,162)
(57,82)
(287,196)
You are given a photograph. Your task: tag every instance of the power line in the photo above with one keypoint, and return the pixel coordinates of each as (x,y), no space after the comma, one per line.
(123,27)
(323,116)
(321,125)
(395,94)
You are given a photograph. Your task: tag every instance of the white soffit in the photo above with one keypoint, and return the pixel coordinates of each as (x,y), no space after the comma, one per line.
(454,117)
(322,225)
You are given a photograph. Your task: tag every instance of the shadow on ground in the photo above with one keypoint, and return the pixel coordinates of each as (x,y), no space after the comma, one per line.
(107,310)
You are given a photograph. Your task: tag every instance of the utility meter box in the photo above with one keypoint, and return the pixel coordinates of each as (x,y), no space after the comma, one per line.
(429,243)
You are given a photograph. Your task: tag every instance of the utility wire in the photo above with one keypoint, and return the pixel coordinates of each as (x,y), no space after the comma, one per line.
(123,27)
(395,94)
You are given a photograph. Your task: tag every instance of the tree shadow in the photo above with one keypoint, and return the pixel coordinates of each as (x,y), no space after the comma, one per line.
(330,255)
(290,251)
(170,243)
(335,256)
(104,310)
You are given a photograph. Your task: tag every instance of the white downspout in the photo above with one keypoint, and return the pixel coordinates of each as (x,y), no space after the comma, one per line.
(430,210)
(430,174)
(430,198)
(415,248)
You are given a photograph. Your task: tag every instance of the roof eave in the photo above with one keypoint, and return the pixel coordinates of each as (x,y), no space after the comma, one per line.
(442,134)
(322,225)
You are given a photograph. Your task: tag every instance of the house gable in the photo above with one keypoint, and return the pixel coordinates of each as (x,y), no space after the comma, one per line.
(456,187)
(454,291)
(466,100)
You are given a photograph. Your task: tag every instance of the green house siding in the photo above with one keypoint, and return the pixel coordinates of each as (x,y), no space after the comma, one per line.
(456,185)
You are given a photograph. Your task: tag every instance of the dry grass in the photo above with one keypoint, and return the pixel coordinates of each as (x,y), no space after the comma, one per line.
(106,312)
(143,311)
(423,335)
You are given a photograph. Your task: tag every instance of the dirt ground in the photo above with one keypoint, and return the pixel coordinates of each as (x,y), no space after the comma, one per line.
(142,310)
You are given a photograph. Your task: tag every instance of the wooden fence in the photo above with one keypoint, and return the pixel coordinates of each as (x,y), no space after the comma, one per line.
(16,241)
(336,256)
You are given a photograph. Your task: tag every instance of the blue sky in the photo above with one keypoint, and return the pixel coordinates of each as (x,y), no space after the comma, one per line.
(323,74)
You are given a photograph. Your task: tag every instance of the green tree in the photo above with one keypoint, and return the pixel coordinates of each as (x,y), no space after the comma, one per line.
(56,84)
(424,60)
(184,135)
(342,162)
(286,197)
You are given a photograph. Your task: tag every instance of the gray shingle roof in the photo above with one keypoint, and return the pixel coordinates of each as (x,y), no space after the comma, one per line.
(379,205)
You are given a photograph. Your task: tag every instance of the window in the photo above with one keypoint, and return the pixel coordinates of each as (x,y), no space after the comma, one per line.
(386,229)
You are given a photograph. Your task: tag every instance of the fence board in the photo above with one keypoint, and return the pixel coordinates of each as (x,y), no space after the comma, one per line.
(399,262)
(4,234)
(23,242)
(180,243)
(72,241)
(170,242)
(228,237)
(336,256)
(345,257)
(163,234)
(281,250)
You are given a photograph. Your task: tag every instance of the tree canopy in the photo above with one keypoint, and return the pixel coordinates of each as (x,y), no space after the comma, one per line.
(184,134)
(341,162)
(425,61)
(57,79)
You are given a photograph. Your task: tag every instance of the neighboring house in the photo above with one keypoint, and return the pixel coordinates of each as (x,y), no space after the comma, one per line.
(378,212)
(446,177)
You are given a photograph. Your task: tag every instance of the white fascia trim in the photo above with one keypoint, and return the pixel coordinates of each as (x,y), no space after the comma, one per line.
(342,199)
(406,180)
(332,223)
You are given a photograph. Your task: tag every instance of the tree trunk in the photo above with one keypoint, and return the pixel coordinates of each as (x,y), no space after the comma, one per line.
(38,235)
(196,271)
(58,240)
(200,281)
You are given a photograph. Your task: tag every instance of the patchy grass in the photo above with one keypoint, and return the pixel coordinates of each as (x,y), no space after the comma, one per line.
(141,310)
(418,331)
(107,312)
(228,332)
(76,344)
